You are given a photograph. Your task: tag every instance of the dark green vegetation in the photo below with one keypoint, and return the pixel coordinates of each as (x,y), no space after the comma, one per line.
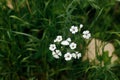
(27,27)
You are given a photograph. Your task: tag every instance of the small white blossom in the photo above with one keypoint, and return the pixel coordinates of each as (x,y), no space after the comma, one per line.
(86,34)
(59,52)
(65,43)
(68,56)
(72,45)
(56,54)
(69,39)
(81,26)
(52,47)
(58,39)
(74,29)
(78,55)
(74,55)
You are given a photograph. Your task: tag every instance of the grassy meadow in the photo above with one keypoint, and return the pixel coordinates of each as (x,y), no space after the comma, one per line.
(28,27)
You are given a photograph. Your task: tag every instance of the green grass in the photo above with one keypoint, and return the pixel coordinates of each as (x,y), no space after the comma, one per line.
(27,30)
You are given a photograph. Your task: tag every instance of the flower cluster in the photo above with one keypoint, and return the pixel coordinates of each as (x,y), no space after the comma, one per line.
(67,47)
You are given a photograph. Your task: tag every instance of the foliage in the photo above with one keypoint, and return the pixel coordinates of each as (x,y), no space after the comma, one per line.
(28,26)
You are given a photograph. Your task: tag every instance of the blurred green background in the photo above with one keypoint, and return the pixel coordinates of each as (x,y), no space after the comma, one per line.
(27,27)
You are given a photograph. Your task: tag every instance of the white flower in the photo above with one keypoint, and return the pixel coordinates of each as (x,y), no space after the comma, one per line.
(78,55)
(72,45)
(52,47)
(56,54)
(81,26)
(65,43)
(74,55)
(58,39)
(69,39)
(74,29)
(68,56)
(86,34)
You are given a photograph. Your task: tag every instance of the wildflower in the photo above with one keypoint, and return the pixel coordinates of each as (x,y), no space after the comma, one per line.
(78,55)
(68,56)
(65,43)
(73,45)
(86,34)
(52,47)
(56,54)
(74,29)
(69,39)
(74,55)
(58,39)
(81,26)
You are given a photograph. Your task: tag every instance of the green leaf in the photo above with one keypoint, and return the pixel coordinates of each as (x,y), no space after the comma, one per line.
(106,58)
(25,59)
